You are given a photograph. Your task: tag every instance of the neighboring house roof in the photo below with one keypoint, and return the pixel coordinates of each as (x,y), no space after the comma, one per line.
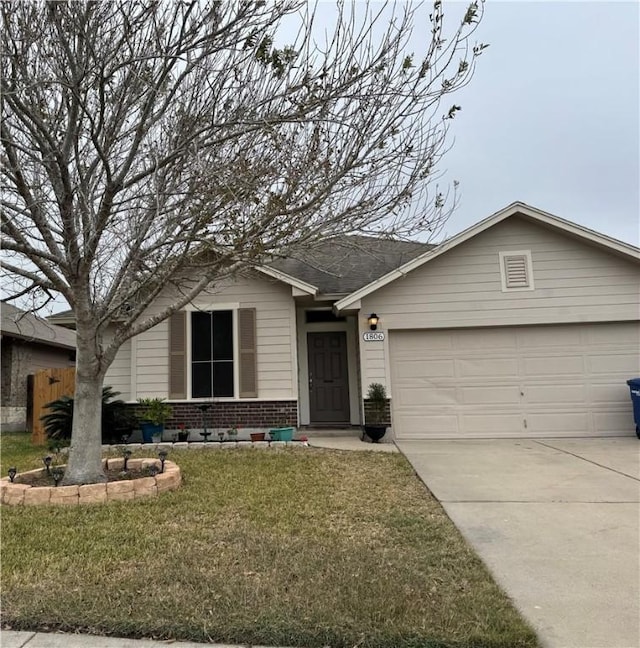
(27,326)
(514,209)
(342,264)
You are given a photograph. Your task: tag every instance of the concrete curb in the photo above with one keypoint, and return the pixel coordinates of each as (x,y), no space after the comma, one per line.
(18,639)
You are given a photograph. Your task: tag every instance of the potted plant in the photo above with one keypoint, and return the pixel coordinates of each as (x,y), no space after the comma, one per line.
(376,422)
(183,433)
(257,436)
(281,433)
(152,418)
(232,432)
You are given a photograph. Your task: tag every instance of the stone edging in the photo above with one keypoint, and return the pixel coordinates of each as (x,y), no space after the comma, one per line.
(25,495)
(199,445)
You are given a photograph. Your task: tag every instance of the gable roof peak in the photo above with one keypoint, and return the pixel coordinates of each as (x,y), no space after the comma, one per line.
(517,208)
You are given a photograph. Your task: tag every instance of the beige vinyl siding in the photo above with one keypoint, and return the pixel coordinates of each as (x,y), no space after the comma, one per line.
(574,282)
(119,373)
(275,332)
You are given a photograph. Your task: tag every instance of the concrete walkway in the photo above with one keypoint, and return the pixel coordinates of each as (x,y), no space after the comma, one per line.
(557,521)
(352,443)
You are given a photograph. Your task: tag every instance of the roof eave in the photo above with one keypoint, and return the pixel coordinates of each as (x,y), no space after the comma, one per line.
(303,286)
(29,338)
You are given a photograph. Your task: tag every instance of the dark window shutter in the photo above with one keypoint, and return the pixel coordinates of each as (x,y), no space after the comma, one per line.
(178,355)
(248,352)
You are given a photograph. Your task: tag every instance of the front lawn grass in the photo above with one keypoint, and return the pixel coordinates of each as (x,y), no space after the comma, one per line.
(295,547)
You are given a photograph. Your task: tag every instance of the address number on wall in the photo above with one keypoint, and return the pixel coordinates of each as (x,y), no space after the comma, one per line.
(373,336)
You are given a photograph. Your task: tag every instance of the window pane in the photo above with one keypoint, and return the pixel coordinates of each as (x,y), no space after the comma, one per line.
(200,336)
(223,378)
(222,335)
(201,379)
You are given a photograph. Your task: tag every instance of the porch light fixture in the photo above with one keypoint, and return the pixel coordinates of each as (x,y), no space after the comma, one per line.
(373,321)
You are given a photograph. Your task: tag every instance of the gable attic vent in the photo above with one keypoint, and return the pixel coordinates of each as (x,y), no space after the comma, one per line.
(516,270)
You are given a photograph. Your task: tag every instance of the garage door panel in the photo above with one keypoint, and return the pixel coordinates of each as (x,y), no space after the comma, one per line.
(489,394)
(557,423)
(424,369)
(556,365)
(440,425)
(624,364)
(613,421)
(560,380)
(490,423)
(625,337)
(543,338)
(483,339)
(557,394)
(438,341)
(479,367)
(416,396)
(609,394)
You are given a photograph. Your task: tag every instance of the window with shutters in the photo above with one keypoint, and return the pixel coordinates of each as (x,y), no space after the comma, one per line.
(516,270)
(212,354)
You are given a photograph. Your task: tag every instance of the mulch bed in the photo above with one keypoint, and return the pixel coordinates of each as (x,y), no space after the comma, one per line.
(42,479)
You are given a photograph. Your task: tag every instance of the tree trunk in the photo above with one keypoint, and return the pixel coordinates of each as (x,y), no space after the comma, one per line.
(85,460)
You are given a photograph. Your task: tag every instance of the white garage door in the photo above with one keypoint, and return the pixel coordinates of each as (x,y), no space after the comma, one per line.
(567,380)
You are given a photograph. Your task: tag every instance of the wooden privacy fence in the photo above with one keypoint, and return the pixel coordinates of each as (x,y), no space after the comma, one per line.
(48,385)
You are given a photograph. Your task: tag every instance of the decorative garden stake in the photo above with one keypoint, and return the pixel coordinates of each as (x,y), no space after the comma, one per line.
(204,434)
(47,464)
(126,454)
(57,474)
(12,473)
(221,436)
(163,457)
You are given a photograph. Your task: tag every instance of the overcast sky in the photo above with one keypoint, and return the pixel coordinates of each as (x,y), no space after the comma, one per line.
(552,116)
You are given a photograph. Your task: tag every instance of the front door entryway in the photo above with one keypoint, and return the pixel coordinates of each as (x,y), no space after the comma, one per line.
(328,377)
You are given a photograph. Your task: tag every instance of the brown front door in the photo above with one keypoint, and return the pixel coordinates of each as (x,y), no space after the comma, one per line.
(328,377)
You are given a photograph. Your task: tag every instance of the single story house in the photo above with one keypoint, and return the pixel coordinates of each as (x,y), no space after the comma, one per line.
(523,325)
(29,344)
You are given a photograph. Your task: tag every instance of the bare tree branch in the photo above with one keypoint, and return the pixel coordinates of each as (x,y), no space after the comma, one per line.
(148,143)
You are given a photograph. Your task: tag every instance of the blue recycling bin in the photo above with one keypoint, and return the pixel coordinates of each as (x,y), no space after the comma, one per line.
(634,387)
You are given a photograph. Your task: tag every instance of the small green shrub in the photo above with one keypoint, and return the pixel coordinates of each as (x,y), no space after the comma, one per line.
(377,397)
(117,420)
(155,411)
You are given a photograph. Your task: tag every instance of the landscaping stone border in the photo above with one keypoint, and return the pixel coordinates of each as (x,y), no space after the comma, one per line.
(201,445)
(12,494)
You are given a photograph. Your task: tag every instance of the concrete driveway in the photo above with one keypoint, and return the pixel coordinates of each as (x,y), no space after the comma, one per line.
(557,521)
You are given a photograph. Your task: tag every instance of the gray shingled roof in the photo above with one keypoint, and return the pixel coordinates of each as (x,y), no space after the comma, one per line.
(344,264)
(340,265)
(27,326)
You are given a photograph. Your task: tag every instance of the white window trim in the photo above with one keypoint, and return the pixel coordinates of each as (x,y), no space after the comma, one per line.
(233,307)
(503,274)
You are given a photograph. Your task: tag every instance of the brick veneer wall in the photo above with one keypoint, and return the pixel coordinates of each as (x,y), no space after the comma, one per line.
(251,414)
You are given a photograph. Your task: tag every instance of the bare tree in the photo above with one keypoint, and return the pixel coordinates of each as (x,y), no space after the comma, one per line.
(144,141)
